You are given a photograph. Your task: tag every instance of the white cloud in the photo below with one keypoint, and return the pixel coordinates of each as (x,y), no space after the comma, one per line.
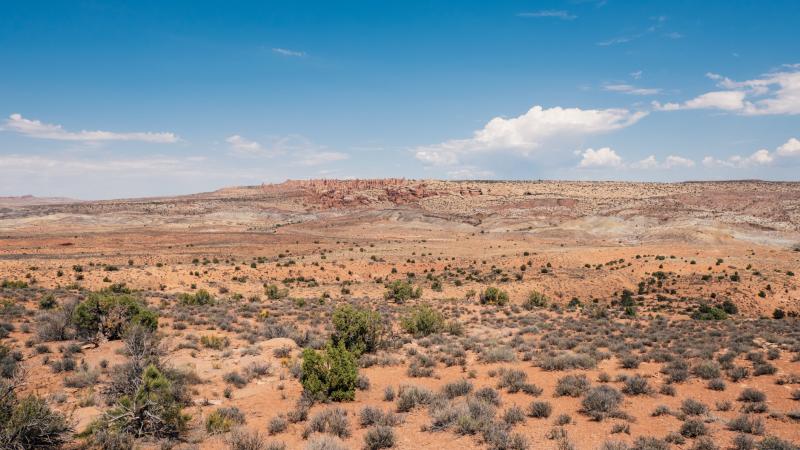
(628,89)
(773,93)
(603,157)
(558,14)
(38,164)
(677,161)
(300,150)
(670,162)
(790,148)
(725,100)
(37,129)
(656,23)
(469,173)
(314,158)
(528,132)
(759,158)
(648,163)
(636,75)
(763,157)
(244,146)
(287,52)
(618,40)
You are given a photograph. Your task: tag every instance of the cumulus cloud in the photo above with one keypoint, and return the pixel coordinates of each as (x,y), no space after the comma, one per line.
(600,158)
(558,14)
(763,157)
(670,162)
(629,89)
(677,161)
(776,92)
(758,158)
(37,129)
(790,148)
(648,163)
(528,132)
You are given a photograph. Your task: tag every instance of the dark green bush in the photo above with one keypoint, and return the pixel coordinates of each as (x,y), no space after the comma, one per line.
(535,300)
(110,314)
(401,290)
(201,297)
(361,330)
(331,374)
(274,293)
(708,312)
(153,410)
(422,321)
(494,296)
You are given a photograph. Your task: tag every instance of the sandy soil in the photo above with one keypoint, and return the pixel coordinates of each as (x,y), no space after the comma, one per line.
(329,243)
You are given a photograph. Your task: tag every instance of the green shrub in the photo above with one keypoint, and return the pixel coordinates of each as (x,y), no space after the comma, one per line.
(13,284)
(331,374)
(274,293)
(8,362)
(222,420)
(28,423)
(535,300)
(401,290)
(153,410)
(729,307)
(201,297)
(110,314)
(48,302)
(708,312)
(423,320)
(215,342)
(494,296)
(361,330)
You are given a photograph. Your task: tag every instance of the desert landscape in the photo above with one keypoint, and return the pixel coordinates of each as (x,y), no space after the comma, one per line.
(408,314)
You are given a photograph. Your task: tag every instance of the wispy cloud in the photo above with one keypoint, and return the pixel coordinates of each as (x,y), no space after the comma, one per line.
(629,89)
(557,14)
(299,149)
(243,146)
(37,129)
(619,40)
(656,23)
(129,166)
(470,173)
(287,52)
(316,158)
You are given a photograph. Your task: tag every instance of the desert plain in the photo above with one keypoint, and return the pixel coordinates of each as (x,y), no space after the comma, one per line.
(441,314)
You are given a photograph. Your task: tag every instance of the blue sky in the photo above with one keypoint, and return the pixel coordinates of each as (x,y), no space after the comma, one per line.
(121,99)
